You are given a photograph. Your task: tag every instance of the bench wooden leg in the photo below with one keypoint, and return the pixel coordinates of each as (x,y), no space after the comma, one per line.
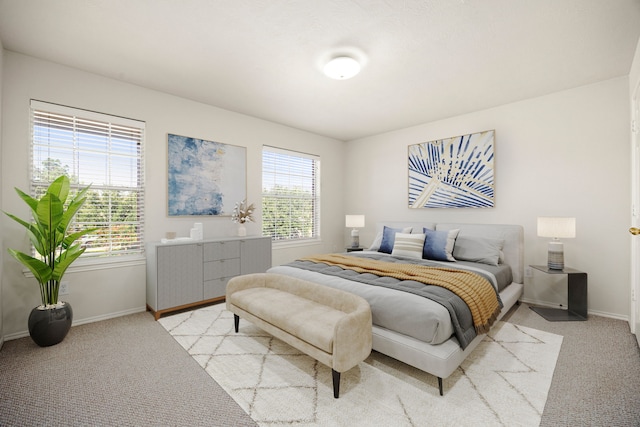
(236,322)
(336,383)
(440,386)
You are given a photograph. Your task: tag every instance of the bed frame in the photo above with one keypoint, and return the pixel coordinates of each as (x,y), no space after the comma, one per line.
(442,360)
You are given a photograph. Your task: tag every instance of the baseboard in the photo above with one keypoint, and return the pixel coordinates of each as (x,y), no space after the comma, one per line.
(79,322)
(109,316)
(593,312)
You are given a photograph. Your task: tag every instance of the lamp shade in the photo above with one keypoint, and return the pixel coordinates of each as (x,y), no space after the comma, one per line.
(354,221)
(556,227)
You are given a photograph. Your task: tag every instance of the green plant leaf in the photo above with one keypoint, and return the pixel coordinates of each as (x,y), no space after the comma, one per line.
(33,203)
(65,259)
(68,215)
(72,210)
(32,231)
(68,241)
(41,271)
(60,188)
(49,214)
(81,193)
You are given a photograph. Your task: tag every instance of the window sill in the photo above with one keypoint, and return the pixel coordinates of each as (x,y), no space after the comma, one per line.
(294,244)
(91,264)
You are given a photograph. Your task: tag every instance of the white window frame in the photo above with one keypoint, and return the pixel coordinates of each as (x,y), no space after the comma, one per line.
(291,167)
(113,124)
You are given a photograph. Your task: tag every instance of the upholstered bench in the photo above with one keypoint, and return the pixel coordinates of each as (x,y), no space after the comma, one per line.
(330,325)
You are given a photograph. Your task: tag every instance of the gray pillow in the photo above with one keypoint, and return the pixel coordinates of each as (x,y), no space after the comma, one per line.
(478,249)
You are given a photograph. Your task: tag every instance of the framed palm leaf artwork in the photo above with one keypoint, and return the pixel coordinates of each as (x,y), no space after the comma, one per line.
(454,172)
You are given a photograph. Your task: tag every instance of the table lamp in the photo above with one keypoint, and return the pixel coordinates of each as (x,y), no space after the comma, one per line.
(354,222)
(556,228)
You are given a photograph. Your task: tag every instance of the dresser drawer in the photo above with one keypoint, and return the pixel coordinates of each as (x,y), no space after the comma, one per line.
(214,251)
(216,288)
(222,268)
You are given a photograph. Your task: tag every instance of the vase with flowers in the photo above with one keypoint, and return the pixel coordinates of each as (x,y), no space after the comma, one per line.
(242,213)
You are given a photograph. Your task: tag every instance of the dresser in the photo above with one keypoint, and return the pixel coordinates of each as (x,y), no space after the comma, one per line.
(186,274)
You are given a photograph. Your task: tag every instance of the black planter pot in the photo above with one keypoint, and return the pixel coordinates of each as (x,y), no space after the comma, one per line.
(49,326)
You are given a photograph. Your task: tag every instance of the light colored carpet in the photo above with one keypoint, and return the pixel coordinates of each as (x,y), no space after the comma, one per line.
(505,381)
(597,377)
(125,371)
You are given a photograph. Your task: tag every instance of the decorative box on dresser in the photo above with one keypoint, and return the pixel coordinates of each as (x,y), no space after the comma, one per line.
(188,273)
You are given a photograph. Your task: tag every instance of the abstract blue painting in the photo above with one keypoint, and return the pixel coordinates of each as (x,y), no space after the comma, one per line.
(205,177)
(452,173)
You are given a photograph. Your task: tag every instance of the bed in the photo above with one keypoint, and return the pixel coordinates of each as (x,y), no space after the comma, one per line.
(430,333)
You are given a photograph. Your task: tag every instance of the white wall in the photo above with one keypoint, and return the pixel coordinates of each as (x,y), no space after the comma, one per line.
(103,293)
(634,96)
(565,154)
(1,236)
(634,74)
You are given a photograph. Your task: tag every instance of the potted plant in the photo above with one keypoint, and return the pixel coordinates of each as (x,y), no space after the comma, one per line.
(50,235)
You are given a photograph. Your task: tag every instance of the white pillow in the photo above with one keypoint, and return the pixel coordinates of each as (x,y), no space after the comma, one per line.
(376,242)
(408,245)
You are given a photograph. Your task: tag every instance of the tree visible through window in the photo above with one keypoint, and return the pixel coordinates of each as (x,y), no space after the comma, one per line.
(99,150)
(290,195)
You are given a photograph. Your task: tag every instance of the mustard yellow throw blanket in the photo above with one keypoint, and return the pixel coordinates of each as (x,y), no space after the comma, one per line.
(473,289)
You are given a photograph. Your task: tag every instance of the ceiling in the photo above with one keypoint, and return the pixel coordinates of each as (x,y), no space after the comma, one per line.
(423,60)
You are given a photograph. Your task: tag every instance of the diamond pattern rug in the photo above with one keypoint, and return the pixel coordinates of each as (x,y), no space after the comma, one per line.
(504,382)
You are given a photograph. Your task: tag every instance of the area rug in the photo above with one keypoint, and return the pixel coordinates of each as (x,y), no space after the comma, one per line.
(504,382)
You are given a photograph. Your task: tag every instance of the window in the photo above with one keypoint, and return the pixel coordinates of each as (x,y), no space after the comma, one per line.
(99,150)
(290,195)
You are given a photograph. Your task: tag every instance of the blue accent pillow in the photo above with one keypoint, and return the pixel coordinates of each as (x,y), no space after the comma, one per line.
(388,239)
(438,245)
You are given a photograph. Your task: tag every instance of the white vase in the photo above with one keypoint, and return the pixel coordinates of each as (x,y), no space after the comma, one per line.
(242,230)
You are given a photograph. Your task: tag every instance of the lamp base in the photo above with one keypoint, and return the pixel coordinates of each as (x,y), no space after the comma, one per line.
(555,260)
(355,238)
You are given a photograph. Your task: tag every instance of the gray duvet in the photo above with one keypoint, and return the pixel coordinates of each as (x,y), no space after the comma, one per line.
(423,312)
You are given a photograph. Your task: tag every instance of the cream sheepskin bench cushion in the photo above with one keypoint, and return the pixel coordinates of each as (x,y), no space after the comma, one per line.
(330,325)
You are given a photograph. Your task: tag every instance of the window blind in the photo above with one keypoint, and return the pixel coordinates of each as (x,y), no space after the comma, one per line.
(100,150)
(290,195)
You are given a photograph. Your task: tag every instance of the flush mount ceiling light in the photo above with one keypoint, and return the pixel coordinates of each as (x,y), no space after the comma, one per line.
(342,68)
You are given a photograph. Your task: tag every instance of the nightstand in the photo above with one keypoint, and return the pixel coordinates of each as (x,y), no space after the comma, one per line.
(576,292)
(352,249)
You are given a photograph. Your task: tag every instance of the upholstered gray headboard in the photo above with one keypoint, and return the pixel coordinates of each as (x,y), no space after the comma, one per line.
(513,236)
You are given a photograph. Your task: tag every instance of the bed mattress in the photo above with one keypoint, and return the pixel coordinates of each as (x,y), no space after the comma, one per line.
(398,311)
